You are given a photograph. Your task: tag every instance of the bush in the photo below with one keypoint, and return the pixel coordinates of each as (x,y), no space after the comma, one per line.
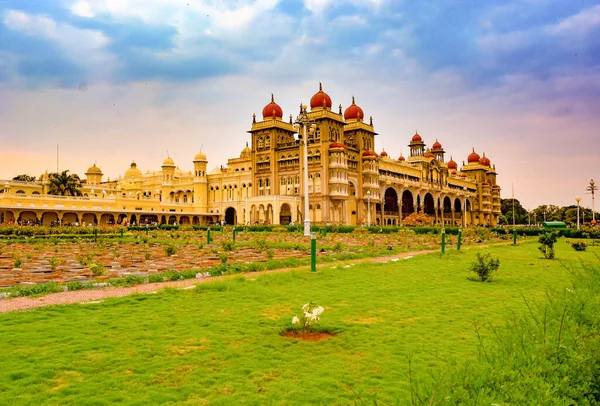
(170,250)
(579,246)
(484,266)
(547,240)
(97,269)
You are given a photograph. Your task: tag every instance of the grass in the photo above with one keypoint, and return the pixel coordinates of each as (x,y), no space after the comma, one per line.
(220,343)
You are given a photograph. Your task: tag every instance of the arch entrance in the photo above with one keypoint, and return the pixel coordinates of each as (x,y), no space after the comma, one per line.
(230,216)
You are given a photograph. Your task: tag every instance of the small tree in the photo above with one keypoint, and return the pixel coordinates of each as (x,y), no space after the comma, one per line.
(547,240)
(417,219)
(25,178)
(64,184)
(484,266)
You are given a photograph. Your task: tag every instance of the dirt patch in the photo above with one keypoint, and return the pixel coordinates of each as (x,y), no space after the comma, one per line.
(309,335)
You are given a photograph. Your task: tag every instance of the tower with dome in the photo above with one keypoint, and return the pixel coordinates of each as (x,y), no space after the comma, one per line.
(264,185)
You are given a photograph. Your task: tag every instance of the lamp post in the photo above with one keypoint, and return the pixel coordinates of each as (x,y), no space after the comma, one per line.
(308,125)
(368,208)
(578,198)
(592,188)
(465,211)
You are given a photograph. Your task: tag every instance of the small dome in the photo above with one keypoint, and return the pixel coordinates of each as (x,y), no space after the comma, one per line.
(383,153)
(453,172)
(368,153)
(401,159)
(353,112)
(473,157)
(200,156)
(428,154)
(337,145)
(246,152)
(416,137)
(93,170)
(133,171)
(484,160)
(452,164)
(272,110)
(436,145)
(485,183)
(463,175)
(320,99)
(168,162)
(496,187)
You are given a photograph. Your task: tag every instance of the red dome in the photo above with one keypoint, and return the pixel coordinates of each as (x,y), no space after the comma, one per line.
(337,145)
(484,160)
(401,159)
(436,144)
(452,164)
(383,153)
(453,173)
(353,112)
(463,175)
(320,99)
(473,156)
(369,153)
(486,183)
(428,154)
(272,110)
(417,137)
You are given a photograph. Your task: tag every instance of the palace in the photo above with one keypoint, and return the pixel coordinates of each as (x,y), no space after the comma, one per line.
(348,183)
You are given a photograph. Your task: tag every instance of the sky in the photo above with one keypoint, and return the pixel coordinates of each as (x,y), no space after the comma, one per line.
(115,81)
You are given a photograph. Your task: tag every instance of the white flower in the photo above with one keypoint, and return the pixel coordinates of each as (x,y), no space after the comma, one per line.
(295,320)
(306,307)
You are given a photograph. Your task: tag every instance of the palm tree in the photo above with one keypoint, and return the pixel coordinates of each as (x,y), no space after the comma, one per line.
(64,184)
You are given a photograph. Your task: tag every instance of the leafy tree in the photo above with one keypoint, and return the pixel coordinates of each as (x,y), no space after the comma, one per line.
(547,240)
(24,178)
(64,184)
(506,206)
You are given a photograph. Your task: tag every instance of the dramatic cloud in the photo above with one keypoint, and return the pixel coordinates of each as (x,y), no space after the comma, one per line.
(130,79)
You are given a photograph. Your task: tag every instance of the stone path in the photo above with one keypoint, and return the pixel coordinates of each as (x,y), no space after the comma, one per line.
(89,296)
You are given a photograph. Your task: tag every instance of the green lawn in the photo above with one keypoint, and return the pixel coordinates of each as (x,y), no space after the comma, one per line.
(221,343)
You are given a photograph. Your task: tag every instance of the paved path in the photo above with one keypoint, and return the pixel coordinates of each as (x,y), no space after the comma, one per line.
(83,296)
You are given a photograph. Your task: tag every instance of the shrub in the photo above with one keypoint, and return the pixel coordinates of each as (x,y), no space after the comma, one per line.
(228,245)
(97,269)
(417,219)
(223,257)
(484,266)
(547,240)
(170,250)
(579,246)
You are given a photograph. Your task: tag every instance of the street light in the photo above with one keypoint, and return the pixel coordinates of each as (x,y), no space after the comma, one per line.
(465,213)
(578,198)
(303,120)
(592,188)
(368,208)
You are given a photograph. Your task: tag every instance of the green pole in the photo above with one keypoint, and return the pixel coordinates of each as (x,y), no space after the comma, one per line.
(514,237)
(234,233)
(313,252)
(147,230)
(443,241)
(208,236)
(459,238)
(95,234)
(121,232)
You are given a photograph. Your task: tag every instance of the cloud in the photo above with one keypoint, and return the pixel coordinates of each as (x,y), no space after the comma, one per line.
(579,24)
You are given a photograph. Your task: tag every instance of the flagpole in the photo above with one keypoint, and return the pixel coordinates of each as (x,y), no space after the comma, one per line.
(513,203)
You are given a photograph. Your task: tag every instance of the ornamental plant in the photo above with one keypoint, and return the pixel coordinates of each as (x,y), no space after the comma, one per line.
(579,246)
(484,266)
(310,314)
(547,240)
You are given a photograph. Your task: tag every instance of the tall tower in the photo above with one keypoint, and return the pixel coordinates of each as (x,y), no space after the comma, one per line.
(200,182)
(94,175)
(417,146)
(168,170)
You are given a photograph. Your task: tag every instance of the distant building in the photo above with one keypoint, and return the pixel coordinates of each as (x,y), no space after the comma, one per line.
(264,185)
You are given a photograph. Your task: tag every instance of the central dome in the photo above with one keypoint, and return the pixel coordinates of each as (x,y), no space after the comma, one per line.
(353,112)
(133,171)
(168,162)
(320,99)
(272,110)
(416,137)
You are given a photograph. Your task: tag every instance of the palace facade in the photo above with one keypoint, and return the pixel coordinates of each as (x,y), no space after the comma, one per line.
(264,185)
